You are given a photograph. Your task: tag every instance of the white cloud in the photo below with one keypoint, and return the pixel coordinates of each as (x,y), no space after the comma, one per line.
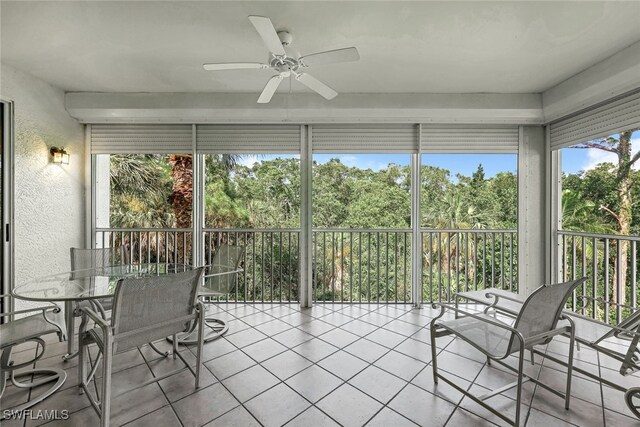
(350,161)
(596,156)
(248,160)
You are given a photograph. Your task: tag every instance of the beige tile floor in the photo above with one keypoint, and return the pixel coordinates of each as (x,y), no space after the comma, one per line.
(348,365)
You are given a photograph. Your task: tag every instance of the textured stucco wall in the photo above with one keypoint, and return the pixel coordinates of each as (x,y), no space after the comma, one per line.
(49,199)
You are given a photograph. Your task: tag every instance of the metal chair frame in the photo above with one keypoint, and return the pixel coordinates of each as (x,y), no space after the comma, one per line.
(108,337)
(518,343)
(100,257)
(7,343)
(628,329)
(216,271)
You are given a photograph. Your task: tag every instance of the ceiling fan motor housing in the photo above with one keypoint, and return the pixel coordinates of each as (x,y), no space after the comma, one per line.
(285,38)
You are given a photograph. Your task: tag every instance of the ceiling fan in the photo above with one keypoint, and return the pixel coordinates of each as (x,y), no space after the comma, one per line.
(286,62)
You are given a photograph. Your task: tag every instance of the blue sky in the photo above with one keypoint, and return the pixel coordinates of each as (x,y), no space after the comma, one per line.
(573,160)
(464,164)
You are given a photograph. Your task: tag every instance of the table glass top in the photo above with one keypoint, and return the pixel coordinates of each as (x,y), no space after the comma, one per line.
(90,283)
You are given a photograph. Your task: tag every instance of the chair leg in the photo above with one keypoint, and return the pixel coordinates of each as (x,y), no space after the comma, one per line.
(519,391)
(434,361)
(533,362)
(82,380)
(175,346)
(567,396)
(200,345)
(106,383)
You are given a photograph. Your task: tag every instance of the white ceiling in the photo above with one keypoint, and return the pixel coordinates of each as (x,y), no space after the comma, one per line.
(430,47)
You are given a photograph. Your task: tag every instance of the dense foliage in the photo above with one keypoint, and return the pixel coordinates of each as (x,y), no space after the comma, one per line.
(361,219)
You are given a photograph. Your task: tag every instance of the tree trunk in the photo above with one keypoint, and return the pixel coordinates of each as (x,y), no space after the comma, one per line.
(182,201)
(624,215)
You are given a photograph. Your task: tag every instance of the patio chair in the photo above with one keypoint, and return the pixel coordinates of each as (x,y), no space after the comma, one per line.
(30,328)
(219,281)
(606,339)
(536,323)
(84,262)
(144,310)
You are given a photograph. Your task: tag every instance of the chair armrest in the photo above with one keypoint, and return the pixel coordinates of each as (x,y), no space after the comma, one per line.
(222,273)
(99,320)
(51,306)
(508,298)
(475,316)
(604,301)
(532,340)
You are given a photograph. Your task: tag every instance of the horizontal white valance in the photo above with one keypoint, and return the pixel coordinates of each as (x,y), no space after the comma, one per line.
(365,138)
(248,139)
(603,120)
(141,139)
(468,139)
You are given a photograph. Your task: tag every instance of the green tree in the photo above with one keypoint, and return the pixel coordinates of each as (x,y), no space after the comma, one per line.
(621,147)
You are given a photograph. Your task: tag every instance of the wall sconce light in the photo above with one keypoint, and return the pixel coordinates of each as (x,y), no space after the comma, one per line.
(60,156)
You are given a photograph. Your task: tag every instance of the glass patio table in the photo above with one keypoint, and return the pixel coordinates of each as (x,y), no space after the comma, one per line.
(90,285)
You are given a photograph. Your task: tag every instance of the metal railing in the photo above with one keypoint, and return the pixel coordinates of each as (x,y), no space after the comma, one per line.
(149,245)
(362,265)
(462,260)
(271,262)
(349,265)
(611,264)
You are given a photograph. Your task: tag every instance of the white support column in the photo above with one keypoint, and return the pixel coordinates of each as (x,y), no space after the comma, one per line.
(197,240)
(306,216)
(100,193)
(532,209)
(89,212)
(554,216)
(416,235)
(555,272)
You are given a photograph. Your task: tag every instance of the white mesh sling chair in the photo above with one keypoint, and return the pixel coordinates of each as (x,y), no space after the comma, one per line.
(620,342)
(219,280)
(144,310)
(47,320)
(536,323)
(83,264)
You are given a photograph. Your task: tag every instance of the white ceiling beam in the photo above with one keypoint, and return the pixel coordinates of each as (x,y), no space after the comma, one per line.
(618,74)
(304,108)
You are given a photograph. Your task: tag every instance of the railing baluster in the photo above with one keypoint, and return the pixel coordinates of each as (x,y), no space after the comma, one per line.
(341,253)
(404,265)
(620,289)
(493,259)
(253,256)
(573,271)
(466,261)
(594,250)
(431,266)
(634,275)
(439,260)
(271,297)
(395,264)
(502,273)
(351,265)
(607,295)
(584,273)
(360,269)
(378,266)
(475,261)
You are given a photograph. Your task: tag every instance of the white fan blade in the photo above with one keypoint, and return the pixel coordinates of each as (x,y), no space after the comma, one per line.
(265,28)
(316,85)
(235,66)
(270,89)
(347,54)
